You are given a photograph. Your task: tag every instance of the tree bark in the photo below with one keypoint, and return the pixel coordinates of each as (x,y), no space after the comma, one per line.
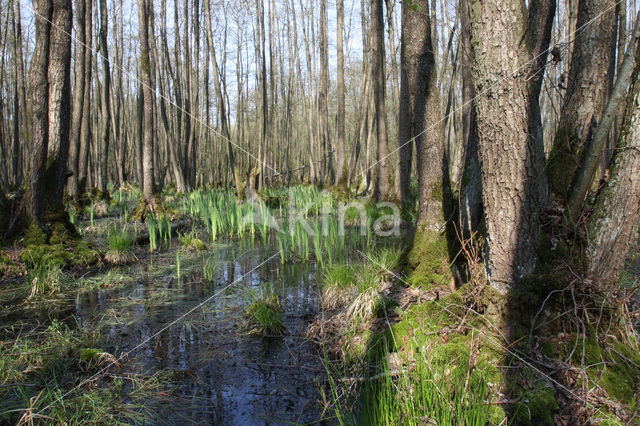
(471,191)
(78,97)
(105,101)
(498,61)
(593,152)
(382,185)
(342,174)
(39,94)
(59,75)
(613,226)
(85,126)
(148,186)
(587,91)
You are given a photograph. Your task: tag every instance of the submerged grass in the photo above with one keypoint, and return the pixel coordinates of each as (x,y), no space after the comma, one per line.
(39,368)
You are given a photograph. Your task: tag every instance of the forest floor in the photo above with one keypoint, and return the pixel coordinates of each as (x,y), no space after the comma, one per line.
(230,313)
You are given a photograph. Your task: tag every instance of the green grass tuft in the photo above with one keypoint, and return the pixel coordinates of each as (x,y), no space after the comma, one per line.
(265,315)
(119,239)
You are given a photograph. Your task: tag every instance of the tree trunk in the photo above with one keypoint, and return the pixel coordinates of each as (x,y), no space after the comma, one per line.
(382,186)
(85,126)
(587,91)
(342,174)
(498,58)
(39,94)
(613,226)
(105,99)
(148,186)
(60,96)
(593,152)
(471,191)
(417,67)
(78,97)
(221,101)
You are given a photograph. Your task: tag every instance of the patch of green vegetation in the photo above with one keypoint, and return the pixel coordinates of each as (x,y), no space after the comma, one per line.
(265,314)
(40,369)
(120,243)
(119,239)
(191,242)
(417,395)
(61,248)
(10,265)
(428,260)
(210,267)
(44,278)
(537,402)
(339,275)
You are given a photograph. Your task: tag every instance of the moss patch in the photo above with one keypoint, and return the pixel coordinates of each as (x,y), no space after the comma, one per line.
(61,248)
(428,260)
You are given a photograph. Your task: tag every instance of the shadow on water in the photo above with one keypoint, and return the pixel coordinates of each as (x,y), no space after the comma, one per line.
(218,373)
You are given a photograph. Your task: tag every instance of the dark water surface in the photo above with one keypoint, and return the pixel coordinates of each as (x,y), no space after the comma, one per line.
(219,374)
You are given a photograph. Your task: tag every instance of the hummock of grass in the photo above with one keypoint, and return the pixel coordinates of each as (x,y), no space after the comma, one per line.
(191,242)
(120,244)
(265,316)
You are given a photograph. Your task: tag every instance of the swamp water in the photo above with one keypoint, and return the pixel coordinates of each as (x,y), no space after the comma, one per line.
(219,373)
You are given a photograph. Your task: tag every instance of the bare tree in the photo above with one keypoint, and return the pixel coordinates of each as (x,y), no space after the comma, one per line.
(148,184)
(105,99)
(382,188)
(50,100)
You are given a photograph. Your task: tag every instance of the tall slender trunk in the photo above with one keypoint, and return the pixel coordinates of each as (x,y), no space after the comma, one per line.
(105,100)
(148,187)
(85,126)
(221,100)
(342,175)
(78,96)
(382,182)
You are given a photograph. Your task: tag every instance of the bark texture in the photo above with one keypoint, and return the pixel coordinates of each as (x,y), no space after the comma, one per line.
(382,186)
(504,146)
(148,185)
(613,227)
(39,100)
(587,90)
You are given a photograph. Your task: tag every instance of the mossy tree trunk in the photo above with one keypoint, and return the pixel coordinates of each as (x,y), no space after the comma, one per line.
(587,91)
(429,256)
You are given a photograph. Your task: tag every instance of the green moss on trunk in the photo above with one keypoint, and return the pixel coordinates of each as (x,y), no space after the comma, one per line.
(428,260)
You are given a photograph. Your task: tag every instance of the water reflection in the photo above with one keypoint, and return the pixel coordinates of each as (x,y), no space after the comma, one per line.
(220,375)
